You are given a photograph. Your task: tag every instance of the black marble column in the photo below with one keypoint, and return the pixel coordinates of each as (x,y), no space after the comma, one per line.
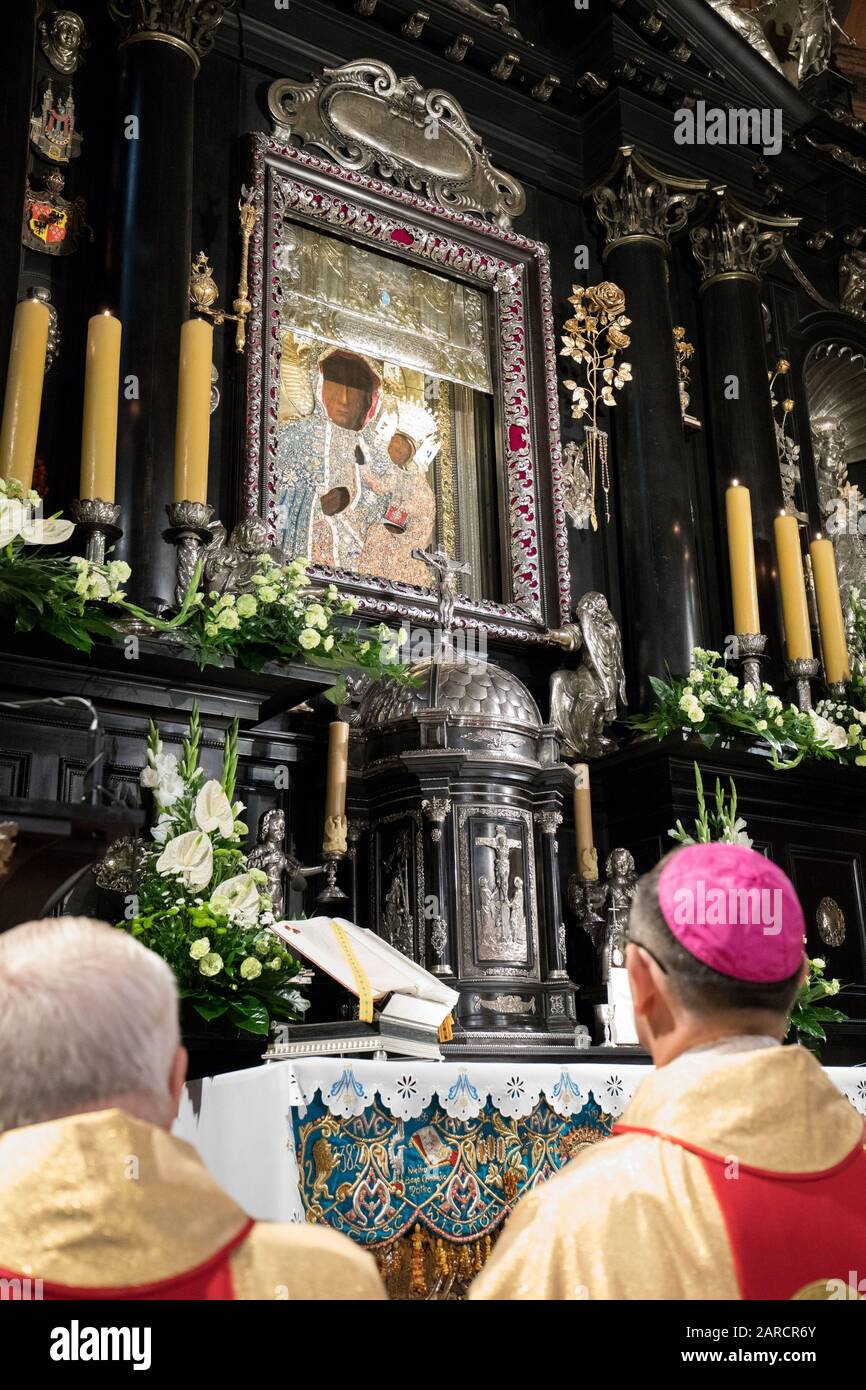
(19,33)
(148,264)
(732,250)
(149,253)
(437,811)
(663,617)
(560,999)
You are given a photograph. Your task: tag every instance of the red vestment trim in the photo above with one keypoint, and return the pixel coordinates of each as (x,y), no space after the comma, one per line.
(786,1231)
(210,1280)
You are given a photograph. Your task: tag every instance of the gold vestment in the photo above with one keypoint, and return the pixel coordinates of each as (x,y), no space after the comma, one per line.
(104,1200)
(636,1217)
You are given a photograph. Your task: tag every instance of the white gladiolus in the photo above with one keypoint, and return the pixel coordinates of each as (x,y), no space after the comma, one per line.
(160,831)
(213,809)
(190,857)
(161,765)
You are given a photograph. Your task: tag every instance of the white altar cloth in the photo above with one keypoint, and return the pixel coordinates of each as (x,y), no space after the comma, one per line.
(241,1122)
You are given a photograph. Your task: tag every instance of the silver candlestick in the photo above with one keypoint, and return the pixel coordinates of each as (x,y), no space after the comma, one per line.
(188,531)
(332,893)
(838,689)
(98,520)
(802,671)
(750,650)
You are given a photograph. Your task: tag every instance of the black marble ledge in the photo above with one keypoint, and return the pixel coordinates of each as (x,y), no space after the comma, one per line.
(810,820)
(162,675)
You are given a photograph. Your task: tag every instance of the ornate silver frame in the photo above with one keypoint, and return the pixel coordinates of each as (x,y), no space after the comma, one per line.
(514,271)
(470,969)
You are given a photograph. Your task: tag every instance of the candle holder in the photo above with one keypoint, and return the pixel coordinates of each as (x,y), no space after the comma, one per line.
(750,649)
(188,531)
(98,520)
(838,689)
(802,671)
(331,893)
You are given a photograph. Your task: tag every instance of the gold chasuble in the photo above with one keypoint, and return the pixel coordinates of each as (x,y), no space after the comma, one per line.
(103,1205)
(729,1176)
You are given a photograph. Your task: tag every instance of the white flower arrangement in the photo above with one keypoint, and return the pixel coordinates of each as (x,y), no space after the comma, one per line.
(201,906)
(711,703)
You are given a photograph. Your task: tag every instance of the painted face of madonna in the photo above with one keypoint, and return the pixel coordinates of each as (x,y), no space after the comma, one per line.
(348,387)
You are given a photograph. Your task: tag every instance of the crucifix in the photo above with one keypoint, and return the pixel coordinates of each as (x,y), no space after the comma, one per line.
(502,847)
(443,571)
(503,925)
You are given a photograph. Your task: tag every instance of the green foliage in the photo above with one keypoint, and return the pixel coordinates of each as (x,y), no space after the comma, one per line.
(284,618)
(59,595)
(711,703)
(208,916)
(808,1015)
(721,825)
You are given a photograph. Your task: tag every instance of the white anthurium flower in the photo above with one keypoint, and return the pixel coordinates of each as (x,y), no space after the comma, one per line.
(238,897)
(19,518)
(53,531)
(190,857)
(213,809)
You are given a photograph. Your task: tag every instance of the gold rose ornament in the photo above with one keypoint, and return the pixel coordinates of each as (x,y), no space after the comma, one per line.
(594,336)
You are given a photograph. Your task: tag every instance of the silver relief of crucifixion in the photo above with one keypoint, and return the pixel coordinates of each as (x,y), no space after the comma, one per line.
(502,934)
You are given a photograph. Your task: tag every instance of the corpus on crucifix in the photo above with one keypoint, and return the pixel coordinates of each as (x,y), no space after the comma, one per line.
(443,569)
(503,921)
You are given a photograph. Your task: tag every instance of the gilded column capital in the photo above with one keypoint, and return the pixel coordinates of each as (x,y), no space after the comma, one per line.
(637,202)
(189,25)
(737,242)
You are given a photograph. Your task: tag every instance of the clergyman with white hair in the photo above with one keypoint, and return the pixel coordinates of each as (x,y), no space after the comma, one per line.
(97,1199)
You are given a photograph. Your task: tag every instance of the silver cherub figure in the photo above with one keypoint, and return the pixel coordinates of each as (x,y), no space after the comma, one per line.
(602,908)
(584,701)
(618,892)
(270,856)
(231,562)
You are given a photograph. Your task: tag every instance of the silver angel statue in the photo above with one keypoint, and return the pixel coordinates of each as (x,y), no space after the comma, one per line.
(748,24)
(270,856)
(231,562)
(618,892)
(842,505)
(852,282)
(584,701)
(815,29)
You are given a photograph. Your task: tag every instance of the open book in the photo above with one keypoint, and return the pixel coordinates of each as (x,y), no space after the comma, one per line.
(417,998)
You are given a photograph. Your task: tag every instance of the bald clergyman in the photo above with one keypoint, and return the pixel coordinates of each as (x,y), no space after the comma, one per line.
(738,1171)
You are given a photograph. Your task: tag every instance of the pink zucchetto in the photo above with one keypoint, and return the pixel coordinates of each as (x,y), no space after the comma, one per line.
(735,910)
